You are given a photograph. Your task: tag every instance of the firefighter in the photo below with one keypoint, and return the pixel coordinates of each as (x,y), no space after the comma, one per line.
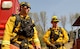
(11,31)
(55,37)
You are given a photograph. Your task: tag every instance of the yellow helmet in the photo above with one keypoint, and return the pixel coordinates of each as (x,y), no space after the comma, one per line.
(25,4)
(55,19)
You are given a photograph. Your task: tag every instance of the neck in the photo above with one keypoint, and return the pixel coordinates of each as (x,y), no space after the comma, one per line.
(54,26)
(23,14)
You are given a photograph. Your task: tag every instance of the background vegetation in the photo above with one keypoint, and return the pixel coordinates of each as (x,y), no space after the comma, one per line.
(40,22)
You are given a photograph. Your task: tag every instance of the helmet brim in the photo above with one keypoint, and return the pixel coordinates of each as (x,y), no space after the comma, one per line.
(55,20)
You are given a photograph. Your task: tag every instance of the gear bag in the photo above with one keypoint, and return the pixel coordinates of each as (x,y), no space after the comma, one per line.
(26,25)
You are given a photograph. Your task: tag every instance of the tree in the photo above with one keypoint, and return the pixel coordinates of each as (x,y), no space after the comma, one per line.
(77,15)
(63,21)
(43,18)
(72,17)
(40,25)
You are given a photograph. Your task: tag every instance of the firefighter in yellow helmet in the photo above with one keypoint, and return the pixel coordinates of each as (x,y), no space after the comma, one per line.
(19,32)
(58,36)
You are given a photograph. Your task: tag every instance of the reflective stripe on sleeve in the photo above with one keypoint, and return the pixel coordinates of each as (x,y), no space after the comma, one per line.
(5,42)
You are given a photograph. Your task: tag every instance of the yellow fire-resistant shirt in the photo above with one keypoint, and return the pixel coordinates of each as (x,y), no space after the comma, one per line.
(63,38)
(8,33)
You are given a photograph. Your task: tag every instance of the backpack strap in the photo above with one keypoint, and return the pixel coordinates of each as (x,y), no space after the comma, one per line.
(18,19)
(60,30)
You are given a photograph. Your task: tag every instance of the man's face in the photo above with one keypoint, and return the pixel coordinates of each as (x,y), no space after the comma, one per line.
(25,9)
(54,23)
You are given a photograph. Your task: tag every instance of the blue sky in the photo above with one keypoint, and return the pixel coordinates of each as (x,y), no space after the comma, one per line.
(57,7)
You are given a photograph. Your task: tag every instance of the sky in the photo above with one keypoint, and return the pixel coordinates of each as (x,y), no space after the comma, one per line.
(57,7)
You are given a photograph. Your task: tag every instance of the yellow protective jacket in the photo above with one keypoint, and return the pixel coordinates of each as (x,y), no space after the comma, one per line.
(8,33)
(61,39)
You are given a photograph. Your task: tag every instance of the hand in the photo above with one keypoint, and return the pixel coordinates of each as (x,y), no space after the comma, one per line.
(58,43)
(38,47)
(53,46)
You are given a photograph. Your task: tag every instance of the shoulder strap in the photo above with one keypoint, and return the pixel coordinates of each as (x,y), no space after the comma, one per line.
(60,30)
(18,19)
(52,33)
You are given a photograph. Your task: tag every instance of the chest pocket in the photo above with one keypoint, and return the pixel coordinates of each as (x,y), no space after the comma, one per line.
(56,34)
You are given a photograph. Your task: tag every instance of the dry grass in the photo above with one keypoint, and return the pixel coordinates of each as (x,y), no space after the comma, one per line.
(69,45)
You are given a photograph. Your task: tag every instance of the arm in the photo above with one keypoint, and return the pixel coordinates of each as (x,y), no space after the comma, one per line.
(66,38)
(35,38)
(8,32)
(46,37)
(63,37)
